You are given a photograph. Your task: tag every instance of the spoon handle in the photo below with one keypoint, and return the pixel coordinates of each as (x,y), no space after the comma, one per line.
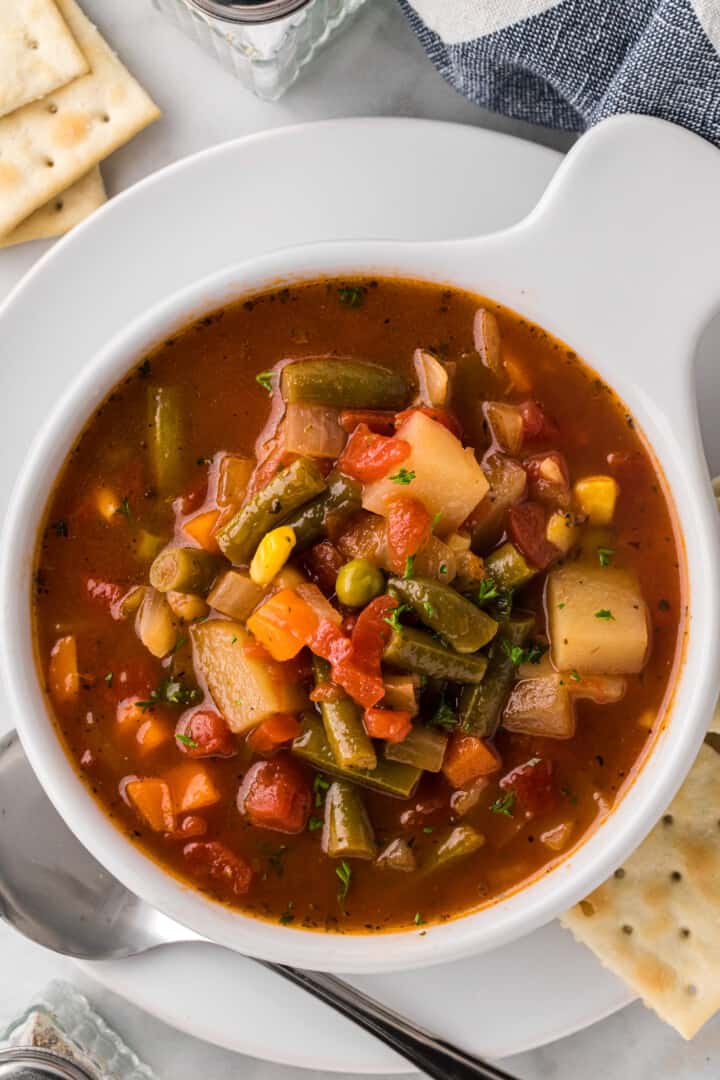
(432,1055)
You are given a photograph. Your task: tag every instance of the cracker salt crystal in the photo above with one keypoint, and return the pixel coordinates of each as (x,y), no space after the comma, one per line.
(62,213)
(655,922)
(38,54)
(48,145)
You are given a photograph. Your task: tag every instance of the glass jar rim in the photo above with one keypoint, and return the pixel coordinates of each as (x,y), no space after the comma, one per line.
(240,11)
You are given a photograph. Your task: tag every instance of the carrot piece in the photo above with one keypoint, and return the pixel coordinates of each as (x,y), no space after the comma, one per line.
(191,787)
(391,724)
(283,624)
(152,800)
(128,714)
(273,732)
(201,529)
(468,757)
(63,674)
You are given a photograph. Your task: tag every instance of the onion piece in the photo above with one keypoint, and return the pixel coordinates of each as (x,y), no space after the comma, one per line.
(313,431)
(466,799)
(541,706)
(508,481)
(506,425)
(155,625)
(486,336)
(433,380)
(398,855)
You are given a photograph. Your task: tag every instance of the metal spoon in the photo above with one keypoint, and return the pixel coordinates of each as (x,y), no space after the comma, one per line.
(55,893)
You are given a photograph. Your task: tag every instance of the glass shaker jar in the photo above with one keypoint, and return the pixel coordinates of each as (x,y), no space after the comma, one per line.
(265,43)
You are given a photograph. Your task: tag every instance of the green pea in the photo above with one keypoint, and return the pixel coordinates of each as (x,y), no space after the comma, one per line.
(359,582)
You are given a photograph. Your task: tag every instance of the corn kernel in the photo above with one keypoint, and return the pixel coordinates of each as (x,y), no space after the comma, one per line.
(562,531)
(596,496)
(272,553)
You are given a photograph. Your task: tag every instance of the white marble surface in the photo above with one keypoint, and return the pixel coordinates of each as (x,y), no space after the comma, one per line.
(377,68)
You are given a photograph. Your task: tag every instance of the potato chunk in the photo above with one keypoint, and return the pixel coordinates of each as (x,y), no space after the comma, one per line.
(245,689)
(448,479)
(598,620)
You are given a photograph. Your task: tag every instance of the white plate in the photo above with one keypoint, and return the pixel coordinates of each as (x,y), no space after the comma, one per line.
(403,179)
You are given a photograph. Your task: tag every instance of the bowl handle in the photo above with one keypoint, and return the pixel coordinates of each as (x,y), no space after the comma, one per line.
(634,211)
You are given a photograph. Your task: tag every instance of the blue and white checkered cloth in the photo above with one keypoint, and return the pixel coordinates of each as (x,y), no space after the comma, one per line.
(570,63)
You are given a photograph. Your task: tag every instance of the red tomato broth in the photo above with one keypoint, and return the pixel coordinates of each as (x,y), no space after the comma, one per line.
(293,881)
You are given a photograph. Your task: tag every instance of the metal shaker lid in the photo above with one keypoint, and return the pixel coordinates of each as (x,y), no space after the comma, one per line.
(248,11)
(29,1063)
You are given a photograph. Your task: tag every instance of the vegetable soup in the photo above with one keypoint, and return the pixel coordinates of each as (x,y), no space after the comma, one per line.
(358,603)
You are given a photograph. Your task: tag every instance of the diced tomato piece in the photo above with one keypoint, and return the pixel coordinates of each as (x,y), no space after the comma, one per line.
(276,457)
(105,593)
(408,529)
(273,732)
(467,757)
(526,525)
(204,733)
(377,420)
(369,457)
(348,623)
(327,692)
(548,479)
(536,423)
(276,795)
(394,725)
(372,631)
(213,860)
(442,416)
(533,785)
(322,563)
(328,641)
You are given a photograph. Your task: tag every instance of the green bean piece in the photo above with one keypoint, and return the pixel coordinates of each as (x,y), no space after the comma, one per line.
(481,707)
(348,833)
(460,842)
(310,523)
(414,650)
(345,384)
(184,569)
(424,747)
(507,567)
(350,744)
(166,438)
(389,777)
(287,491)
(359,582)
(460,622)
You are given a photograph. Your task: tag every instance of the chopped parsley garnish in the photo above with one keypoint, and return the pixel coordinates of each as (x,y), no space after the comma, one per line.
(344,872)
(504,805)
(605,614)
(182,640)
(109,678)
(488,590)
(351,295)
(403,476)
(287,916)
(393,619)
(409,566)
(443,568)
(428,829)
(60,528)
(605,555)
(517,655)
(320,786)
(561,606)
(435,521)
(265,379)
(429,610)
(124,509)
(418,920)
(574,675)
(314,823)
(444,716)
(187,741)
(171,691)
(233,639)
